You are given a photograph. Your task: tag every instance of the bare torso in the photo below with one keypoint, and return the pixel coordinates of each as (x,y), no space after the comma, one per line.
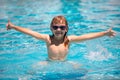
(57,49)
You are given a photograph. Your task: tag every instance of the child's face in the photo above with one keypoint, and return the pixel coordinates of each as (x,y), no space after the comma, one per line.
(59,30)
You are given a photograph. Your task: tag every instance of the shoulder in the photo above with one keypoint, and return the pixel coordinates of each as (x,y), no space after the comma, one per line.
(44,37)
(48,39)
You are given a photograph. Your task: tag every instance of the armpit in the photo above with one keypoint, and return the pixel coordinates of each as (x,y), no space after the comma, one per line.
(66,41)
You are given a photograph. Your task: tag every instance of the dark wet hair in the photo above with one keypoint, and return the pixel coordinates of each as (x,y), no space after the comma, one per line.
(59,19)
(62,20)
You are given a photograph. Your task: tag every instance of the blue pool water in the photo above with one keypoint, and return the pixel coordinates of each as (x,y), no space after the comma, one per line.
(96,59)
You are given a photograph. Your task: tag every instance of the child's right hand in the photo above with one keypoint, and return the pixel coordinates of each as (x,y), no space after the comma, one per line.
(9,25)
(110,32)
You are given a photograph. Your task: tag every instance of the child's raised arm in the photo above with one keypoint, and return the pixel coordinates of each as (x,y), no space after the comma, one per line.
(89,36)
(27,31)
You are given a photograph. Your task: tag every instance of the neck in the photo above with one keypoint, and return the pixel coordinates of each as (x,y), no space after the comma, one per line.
(59,38)
(57,41)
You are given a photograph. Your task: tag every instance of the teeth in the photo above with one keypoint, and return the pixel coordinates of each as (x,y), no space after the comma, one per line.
(58,33)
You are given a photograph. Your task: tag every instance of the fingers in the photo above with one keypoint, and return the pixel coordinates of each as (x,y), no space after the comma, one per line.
(110,29)
(112,33)
(8,25)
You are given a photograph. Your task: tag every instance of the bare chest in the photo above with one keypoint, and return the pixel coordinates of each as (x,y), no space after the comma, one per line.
(57,51)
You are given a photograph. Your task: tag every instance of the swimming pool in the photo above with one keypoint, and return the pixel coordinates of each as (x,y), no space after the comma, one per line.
(20,53)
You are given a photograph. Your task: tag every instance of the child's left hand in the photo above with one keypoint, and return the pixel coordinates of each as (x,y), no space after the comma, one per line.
(110,32)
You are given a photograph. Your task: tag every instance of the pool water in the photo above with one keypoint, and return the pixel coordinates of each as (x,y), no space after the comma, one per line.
(21,54)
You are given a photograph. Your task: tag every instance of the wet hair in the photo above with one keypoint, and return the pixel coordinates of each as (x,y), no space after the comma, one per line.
(59,19)
(62,20)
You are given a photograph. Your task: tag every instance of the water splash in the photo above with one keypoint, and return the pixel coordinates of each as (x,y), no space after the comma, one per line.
(98,53)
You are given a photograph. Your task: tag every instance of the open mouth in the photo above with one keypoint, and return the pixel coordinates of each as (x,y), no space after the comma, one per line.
(58,33)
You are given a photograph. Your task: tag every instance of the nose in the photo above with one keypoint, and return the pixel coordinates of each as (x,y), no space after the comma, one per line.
(58,29)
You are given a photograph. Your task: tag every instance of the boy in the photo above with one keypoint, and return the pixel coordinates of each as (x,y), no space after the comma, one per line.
(58,43)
